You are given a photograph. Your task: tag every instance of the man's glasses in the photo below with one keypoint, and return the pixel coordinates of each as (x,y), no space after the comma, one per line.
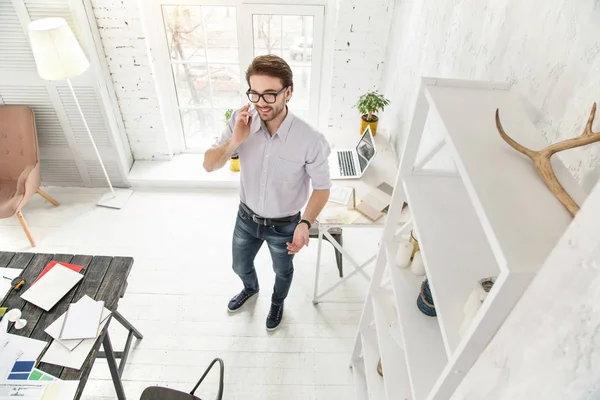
(269,98)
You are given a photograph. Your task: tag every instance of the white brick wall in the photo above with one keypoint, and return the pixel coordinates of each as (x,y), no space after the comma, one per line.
(125,48)
(549,49)
(360,44)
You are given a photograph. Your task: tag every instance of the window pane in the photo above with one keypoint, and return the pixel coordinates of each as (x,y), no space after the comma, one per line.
(191,82)
(225,81)
(184,32)
(199,128)
(290,37)
(301,96)
(267,34)
(221,34)
(298,39)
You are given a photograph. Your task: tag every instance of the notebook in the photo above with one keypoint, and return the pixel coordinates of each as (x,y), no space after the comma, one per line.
(52,287)
(82,320)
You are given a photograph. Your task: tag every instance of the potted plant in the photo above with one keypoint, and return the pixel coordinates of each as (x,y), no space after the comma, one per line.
(369,104)
(234,162)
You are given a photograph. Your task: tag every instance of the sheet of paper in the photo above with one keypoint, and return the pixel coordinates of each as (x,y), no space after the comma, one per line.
(338,215)
(52,287)
(57,354)
(54,329)
(38,390)
(82,320)
(340,194)
(5,284)
(17,348)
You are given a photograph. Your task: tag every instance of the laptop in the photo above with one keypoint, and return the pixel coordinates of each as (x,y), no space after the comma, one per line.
(352,163)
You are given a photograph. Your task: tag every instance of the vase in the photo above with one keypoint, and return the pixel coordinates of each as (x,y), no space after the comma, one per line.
(404,254)
(425,300)
(417,266)
(415,242)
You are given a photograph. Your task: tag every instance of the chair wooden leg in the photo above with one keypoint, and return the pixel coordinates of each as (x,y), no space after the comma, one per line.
(25,228)
(48,198)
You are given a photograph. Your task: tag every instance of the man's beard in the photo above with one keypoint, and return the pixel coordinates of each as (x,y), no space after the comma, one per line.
(274,114)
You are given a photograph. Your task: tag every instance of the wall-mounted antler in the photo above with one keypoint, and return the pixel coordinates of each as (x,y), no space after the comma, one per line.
(541,158)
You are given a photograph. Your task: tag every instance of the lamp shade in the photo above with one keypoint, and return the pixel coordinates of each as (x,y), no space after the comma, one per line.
(57,53)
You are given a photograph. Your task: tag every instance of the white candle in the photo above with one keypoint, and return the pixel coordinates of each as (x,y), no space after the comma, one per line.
(403,255)
(417,267)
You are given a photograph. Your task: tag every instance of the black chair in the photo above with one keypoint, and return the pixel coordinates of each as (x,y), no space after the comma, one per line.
(162,393)
(336,233)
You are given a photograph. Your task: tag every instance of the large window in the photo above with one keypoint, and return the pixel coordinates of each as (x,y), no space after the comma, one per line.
(203,49)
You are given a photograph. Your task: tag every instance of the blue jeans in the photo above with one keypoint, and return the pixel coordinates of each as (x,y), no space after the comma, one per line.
(248,237)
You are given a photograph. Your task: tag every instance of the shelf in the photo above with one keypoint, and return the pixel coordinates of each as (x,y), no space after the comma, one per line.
(521,217)
(395,374)
(423,344)
(360,380)
(371,356)
(453,245)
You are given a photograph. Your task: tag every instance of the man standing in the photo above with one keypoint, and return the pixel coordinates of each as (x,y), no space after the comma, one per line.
(280,156)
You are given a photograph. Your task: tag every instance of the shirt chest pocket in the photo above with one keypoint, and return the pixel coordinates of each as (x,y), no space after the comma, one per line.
(287,171)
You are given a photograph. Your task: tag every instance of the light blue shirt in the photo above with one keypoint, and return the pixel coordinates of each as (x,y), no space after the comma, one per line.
(276,171)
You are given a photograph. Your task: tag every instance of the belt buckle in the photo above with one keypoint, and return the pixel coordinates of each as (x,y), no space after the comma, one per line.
(256,220)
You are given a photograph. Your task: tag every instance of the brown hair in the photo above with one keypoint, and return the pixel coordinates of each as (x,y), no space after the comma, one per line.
(271,65)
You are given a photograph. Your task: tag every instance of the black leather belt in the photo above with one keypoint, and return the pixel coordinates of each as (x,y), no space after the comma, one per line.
(268,221)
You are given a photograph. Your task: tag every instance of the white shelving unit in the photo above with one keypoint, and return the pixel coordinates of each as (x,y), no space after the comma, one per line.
(480,210)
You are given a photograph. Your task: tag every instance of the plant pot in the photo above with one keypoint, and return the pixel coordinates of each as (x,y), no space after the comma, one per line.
(234,164)
(364,124)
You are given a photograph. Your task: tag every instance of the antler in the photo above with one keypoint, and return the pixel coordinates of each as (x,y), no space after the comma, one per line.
(541,158)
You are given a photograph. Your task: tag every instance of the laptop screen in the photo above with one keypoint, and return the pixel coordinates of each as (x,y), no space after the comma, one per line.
(365,150)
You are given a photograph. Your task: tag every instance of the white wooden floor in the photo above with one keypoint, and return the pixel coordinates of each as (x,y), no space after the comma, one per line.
(179,288)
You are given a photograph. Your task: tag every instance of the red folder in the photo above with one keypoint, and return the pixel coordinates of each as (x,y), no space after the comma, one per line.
(76,268)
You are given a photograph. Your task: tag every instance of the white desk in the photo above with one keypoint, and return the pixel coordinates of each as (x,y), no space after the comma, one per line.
(382,169)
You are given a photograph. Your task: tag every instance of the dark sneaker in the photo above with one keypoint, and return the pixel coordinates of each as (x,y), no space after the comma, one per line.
(274,317)
(238,301)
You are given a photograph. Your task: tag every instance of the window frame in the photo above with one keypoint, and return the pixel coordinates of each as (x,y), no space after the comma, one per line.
(160,62)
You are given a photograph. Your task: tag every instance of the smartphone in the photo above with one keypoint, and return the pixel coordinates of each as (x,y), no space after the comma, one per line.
(249,110)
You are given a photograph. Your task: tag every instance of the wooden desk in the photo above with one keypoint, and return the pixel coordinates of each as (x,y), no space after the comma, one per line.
(105,278)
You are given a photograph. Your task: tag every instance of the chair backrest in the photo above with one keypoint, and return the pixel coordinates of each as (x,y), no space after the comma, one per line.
(18,140)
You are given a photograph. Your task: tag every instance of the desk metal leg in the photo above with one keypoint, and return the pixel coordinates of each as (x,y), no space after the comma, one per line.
(357,268)
(112,366)
(127,325)
(318,265)
(122,355)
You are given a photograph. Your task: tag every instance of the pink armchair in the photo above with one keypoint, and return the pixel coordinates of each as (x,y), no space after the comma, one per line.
(19,163)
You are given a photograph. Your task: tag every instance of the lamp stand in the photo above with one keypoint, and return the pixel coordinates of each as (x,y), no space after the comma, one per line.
(116,198)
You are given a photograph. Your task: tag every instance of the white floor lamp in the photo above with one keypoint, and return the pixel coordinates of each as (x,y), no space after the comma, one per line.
(58,56)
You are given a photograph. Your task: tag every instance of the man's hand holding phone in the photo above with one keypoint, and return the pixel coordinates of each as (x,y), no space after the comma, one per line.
(241,129)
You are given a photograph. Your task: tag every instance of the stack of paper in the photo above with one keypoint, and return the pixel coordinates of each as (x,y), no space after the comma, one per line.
(52,287)
(75,333)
